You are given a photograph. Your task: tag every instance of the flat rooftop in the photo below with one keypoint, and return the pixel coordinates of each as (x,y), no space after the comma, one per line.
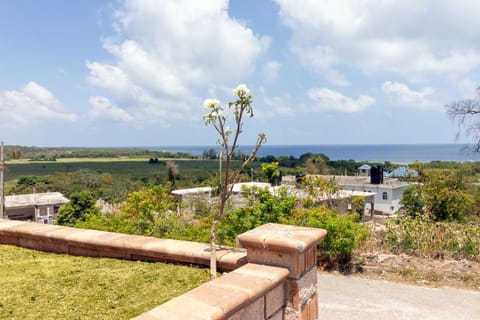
(354,180)
(34,199)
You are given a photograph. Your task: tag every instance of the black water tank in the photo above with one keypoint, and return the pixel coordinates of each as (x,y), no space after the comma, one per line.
(376,175)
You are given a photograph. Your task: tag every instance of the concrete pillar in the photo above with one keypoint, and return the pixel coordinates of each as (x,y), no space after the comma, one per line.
(294,248)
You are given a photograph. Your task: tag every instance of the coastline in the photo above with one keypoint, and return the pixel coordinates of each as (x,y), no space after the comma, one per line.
(395,153)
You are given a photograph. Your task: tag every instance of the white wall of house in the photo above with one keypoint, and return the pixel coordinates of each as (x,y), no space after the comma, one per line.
(387,197)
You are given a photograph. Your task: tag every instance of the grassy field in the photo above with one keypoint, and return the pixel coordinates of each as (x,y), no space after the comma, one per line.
(117,166)
(39,285)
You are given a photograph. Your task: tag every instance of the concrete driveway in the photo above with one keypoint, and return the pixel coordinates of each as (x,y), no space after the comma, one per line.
(342,297)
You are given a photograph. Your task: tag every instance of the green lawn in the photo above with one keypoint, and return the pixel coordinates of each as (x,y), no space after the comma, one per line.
(39,285)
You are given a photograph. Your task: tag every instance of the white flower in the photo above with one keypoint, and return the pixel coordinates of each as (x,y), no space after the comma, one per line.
(210,103)
(241,90)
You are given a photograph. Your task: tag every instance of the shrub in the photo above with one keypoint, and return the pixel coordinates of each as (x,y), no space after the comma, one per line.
(424,237)
(344,232)
(80,206)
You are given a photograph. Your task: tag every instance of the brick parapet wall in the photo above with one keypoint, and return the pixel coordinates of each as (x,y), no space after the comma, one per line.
(293,248)
(251,292)
(279,281)
(94,243)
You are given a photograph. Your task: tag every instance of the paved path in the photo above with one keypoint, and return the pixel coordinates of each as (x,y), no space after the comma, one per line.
(352,298)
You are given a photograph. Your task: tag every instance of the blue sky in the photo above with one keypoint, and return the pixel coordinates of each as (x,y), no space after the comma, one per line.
(135,73)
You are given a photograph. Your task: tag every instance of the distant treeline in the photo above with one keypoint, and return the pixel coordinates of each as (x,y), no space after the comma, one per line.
(53,153)
(319,163)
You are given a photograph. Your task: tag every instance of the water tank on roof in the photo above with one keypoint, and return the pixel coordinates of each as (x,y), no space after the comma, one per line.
(376,175)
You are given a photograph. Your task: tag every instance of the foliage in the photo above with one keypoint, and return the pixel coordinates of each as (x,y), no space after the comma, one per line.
(345,233)
(316,164)
(209,154)
(150,211)
(262,207)
(80,206)
(320,190)
(423,236)
(271,172)
(358,204)
(150,208)
(39,285)
(172,173)
(412,202)
(111,188)
(44,153)
(444,195)
(122,175)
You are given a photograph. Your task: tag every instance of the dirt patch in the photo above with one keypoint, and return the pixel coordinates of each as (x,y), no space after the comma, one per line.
(417,270)
(375,261)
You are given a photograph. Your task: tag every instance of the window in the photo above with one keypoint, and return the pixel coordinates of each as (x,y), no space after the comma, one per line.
(385,196)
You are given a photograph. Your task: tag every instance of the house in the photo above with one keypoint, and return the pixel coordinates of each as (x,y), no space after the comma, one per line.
(402,172)
(342,200)
(388,191)
(191,194)
(38,207)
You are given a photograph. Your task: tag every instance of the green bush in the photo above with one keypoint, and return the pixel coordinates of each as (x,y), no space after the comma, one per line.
(80,206)
(262,207)
(424,237)
(344,232)
(444,196)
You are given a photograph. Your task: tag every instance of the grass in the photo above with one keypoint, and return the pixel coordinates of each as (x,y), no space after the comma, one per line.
(136,168)
(39,285)
(191,171)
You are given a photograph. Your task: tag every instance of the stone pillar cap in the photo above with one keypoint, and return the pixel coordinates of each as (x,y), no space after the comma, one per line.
(281,238)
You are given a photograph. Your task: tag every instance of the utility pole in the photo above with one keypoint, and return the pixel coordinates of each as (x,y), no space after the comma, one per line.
(2,170)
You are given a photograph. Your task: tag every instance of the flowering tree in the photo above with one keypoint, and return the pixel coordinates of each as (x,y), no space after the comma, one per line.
(219,117)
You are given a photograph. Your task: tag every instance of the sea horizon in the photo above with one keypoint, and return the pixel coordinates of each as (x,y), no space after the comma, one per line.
(397,153)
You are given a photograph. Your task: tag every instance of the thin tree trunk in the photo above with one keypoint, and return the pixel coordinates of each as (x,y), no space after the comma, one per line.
(213,250)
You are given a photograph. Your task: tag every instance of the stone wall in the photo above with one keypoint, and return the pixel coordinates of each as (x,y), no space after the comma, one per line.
(94,243)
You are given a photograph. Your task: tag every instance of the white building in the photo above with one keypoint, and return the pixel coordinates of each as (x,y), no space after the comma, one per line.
(387,194)
(38,207)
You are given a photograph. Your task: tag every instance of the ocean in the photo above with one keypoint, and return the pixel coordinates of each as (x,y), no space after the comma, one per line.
(397,153)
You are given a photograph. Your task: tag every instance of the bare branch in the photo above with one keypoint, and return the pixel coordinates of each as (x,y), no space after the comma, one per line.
(464,112)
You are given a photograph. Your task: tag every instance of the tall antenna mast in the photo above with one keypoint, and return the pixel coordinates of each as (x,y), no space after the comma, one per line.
(2,169)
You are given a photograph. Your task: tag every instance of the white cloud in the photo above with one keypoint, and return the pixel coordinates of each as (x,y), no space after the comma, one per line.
(412,38)
(330,100)
(336,78)
(30,105)
(270,70)
(399,94)
(102,108)
(165,53)
(270,106)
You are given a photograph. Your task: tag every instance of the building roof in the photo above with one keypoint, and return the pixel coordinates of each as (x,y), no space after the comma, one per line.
(192,190)
(34,199)
(237,187)
(364,181)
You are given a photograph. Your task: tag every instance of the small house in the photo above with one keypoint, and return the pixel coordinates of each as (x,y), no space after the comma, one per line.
(38,207)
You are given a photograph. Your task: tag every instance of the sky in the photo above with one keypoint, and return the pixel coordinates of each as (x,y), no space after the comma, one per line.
(136,73)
